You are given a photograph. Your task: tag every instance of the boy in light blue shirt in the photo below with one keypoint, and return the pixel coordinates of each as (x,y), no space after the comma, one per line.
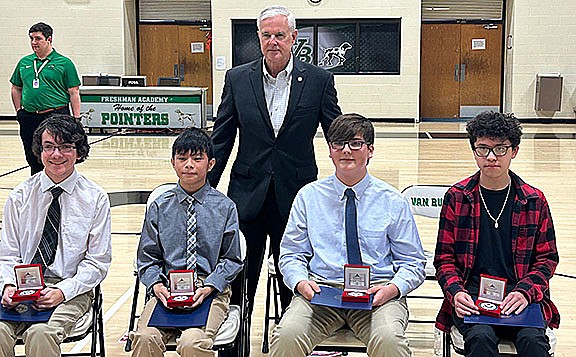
(314,250)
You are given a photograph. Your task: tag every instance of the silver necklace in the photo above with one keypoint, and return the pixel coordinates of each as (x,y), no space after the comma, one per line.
(501,211)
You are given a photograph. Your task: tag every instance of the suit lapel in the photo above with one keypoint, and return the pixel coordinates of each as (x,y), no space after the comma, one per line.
(258,87)
(298,81)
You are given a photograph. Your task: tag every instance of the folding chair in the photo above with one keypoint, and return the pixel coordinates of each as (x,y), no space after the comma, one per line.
(272,296)
(506,348)
(342,341)
(234,330)
(90,324)
(426,201)
(423,200)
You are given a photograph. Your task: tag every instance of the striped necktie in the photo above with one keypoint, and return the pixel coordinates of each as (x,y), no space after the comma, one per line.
(49,241)
(191,235)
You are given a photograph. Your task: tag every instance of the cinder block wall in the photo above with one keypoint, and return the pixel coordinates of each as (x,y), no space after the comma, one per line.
(91,33)
(543,41)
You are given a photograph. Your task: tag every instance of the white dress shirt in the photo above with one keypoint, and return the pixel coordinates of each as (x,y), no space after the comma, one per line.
(277,93)
(84,245)
(314,242)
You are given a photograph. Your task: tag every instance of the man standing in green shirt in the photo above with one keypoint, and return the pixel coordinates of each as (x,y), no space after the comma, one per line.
(43,83)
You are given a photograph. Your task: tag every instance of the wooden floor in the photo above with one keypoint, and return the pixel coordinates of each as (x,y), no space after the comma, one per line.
(405,154)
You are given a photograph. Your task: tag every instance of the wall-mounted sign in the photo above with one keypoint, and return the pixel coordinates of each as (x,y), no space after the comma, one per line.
(478,43)
(197,47)
(138,108)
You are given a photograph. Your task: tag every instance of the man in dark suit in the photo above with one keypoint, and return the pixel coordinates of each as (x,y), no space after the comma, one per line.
(277,104)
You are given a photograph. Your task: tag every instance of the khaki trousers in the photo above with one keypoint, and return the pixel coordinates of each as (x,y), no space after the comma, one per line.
(44,339)
(304,326)
(197,342)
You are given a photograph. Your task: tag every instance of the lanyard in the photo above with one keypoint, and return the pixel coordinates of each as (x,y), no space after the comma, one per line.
(36,70)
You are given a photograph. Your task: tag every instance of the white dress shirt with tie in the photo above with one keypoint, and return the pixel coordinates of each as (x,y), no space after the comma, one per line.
(84,248)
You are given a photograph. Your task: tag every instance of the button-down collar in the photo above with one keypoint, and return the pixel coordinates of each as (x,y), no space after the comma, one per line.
(198,196)
(358,188)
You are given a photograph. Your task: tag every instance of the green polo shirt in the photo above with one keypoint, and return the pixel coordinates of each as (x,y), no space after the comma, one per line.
(56,77)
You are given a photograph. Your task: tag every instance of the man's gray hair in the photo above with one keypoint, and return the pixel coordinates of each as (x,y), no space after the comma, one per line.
(275,10)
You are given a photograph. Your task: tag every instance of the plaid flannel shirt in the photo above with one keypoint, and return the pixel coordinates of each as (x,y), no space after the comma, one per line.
(533,245)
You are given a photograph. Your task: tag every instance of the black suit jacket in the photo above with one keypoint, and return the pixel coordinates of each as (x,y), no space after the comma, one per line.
(289,157)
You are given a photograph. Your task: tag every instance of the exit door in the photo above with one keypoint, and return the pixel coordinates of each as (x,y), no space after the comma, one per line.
(180,51)
(461,66)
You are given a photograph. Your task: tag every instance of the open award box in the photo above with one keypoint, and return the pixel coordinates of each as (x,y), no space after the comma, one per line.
(29,282)
(182,288)
(356,283)
(490,295)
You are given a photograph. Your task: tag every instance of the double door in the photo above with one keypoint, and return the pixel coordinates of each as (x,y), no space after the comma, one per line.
(461,69)
(180,51)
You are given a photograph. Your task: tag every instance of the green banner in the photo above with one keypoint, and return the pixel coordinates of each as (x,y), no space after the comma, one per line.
(140,99)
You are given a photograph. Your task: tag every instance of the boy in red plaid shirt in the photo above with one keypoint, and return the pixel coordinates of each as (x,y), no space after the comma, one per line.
(496,224)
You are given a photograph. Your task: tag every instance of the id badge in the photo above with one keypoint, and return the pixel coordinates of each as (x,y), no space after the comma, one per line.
(36,83)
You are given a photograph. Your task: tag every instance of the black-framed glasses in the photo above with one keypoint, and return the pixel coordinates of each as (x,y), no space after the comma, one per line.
(352,144)
(484,151)
(64,148)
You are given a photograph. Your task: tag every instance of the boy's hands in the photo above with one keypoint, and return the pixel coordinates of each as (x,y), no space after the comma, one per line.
(49,297)
(515,302)
(9,291)
(464,305)
(307,288)
(201,294)
(162,293)
(383,293)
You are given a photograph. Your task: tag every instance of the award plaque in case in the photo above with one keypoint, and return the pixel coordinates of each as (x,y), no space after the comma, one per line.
(490,295)
(182,288)
(356,283)
(29,282)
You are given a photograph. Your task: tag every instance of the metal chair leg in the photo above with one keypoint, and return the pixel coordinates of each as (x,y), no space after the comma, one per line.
(101,329)
(446,343)
(128,346)
(265,345)
(95,315)
(276,297)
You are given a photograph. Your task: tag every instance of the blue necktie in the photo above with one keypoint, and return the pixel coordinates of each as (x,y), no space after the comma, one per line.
(352,245)
(49,241)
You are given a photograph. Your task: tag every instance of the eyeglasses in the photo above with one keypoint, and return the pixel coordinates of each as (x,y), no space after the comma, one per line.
(352,144)
(499,150)
(64,148)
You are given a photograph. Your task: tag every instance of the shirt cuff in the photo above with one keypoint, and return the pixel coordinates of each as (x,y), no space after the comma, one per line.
(217,282)
(403,288)
(399,294)
(67,289)
(150,288)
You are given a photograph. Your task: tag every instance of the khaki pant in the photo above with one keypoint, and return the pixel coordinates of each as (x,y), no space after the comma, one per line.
(44,339)
(197,342)
(304,326)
